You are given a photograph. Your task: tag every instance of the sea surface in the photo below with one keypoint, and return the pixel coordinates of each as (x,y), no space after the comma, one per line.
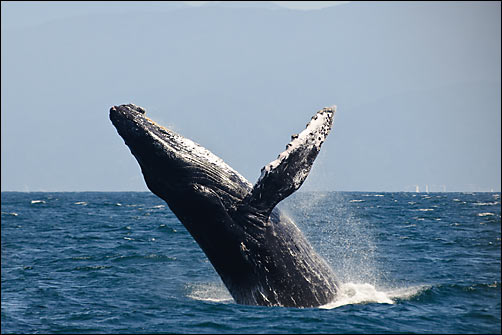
(121,262)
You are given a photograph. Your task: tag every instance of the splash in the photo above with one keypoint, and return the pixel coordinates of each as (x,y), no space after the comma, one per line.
(345,241)
(349,294)
(354,293)
(214,292)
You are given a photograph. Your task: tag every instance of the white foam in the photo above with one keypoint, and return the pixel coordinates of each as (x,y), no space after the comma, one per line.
(406,293)
(357,293)
(409,226)
(214,292)
(485,214)
(349,294)
(38,201)
(12,213)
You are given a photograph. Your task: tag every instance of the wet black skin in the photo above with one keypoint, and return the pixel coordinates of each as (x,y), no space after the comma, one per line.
(261,256)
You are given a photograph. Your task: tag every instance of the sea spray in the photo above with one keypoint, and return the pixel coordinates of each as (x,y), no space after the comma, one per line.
(355,293)
(346,241)
(211,291)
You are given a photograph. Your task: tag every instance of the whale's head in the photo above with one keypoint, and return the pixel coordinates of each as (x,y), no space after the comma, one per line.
(173,165)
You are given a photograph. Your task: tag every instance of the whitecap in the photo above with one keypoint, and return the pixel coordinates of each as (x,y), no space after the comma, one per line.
(13,213)
(83,203)
(409,226)
(355,200)
(485,214)
(38,201)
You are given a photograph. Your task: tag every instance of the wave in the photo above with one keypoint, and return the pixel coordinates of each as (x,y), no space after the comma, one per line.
(486,203)
(138,258)
(11,214)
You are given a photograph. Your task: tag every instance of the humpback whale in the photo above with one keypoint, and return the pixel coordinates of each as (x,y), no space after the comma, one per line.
(259,253)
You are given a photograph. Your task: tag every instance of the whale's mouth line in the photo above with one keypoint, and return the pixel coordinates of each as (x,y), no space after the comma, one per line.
(147,138)
(125,117)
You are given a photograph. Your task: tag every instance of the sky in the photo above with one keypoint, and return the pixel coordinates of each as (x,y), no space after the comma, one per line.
(300,5)
(18,14)
(417,88)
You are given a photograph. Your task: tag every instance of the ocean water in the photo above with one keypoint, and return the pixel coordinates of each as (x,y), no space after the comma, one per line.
(121,262)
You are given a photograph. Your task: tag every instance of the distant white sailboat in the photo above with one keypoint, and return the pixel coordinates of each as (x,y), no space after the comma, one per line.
(426,188)
(417,189)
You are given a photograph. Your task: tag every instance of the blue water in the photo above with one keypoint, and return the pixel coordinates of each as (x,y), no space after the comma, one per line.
(122,262)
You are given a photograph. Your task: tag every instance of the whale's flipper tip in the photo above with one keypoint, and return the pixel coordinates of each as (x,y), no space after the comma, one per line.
(287,173)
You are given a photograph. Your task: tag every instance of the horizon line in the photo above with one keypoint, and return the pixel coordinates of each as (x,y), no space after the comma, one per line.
(299,191)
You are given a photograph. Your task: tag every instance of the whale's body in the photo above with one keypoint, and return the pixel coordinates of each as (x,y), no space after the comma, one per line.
(259,253)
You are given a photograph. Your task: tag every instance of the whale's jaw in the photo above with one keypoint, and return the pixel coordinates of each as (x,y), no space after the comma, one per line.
(169,159)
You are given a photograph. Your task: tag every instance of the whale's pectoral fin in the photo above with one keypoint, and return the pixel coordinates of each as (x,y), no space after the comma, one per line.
(287,173)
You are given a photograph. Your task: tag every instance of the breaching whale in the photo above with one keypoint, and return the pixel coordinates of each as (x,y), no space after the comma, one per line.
(259,253)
